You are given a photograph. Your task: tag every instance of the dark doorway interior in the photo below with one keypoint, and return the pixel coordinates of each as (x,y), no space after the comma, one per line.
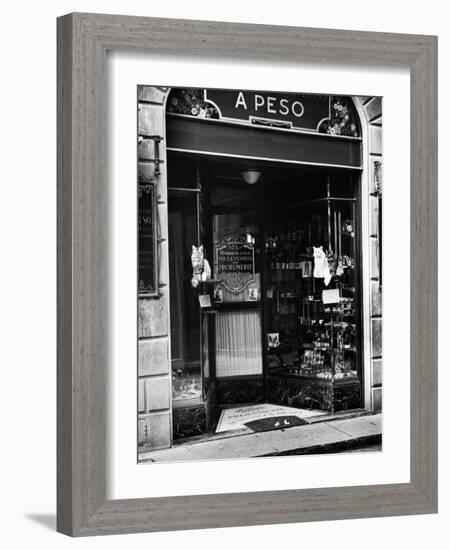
(263,334)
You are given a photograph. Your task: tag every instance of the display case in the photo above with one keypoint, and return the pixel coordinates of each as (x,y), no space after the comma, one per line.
(313,304)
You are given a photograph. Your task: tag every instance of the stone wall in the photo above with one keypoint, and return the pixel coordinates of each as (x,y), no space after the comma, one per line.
(154,374)
(370,110)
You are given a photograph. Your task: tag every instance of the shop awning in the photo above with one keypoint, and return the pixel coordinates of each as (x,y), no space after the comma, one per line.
(212,137)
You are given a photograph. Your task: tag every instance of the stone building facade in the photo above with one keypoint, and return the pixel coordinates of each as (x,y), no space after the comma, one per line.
(155,415)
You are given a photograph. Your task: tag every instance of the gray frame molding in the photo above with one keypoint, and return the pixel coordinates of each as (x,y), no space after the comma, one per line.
(83,40)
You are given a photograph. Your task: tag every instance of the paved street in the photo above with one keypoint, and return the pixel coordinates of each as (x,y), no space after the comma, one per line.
(362,433)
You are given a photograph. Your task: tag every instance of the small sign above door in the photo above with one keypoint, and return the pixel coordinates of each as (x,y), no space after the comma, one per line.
(300,111)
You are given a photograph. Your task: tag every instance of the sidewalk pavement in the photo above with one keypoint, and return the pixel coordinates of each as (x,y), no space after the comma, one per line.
(335,435)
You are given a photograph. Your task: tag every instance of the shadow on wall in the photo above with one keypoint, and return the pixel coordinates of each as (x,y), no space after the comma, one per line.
(46,520)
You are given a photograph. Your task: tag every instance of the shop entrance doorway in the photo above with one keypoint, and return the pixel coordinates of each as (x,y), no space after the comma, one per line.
(251,250)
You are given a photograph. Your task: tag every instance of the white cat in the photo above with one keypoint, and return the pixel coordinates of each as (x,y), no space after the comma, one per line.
(321,266)
(201,267)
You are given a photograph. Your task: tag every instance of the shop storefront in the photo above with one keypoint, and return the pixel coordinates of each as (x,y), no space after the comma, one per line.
(259,256)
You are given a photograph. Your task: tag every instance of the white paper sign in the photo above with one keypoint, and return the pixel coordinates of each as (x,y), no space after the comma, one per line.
(331,296)
(204,300)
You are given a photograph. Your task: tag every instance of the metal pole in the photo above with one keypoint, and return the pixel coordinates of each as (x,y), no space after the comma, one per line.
(329,223)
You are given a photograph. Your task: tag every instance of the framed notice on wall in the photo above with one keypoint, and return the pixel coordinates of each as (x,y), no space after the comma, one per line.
(148,242)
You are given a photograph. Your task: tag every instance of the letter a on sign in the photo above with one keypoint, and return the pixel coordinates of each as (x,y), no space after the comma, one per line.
(241,101)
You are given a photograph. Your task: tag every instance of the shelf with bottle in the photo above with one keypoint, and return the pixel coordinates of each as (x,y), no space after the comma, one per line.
(335,349)
(275,292)
(283,324)
(341,312)
(285,234)
(327,334)
(317,356)
(320,326)
(315,365)
(343,325)
(288,259)
(323,324)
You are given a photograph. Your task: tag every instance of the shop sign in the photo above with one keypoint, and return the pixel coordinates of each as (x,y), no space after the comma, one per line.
(301,111)
(235,263)
(148,272)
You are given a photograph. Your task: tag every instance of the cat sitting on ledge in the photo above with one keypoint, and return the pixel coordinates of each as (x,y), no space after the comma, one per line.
(201,267)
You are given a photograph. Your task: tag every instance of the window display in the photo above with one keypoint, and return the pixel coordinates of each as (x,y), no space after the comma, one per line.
(312,322)
(264,289)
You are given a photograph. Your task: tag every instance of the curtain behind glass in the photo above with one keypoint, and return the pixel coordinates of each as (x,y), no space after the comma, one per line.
(238,343)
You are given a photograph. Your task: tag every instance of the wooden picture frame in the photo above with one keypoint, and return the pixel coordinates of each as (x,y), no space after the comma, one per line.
(83,40)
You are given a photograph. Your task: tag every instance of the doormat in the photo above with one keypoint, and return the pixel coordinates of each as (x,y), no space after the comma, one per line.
(275,423)
(239,418)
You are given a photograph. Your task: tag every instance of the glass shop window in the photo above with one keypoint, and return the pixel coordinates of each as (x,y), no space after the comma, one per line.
(185,315)
(313,288)
(237,266)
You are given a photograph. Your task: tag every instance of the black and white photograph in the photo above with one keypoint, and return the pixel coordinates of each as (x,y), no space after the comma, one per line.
(259,273)
(220,275)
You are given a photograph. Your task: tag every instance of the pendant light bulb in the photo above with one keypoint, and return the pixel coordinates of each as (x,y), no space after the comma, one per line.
(251,176)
